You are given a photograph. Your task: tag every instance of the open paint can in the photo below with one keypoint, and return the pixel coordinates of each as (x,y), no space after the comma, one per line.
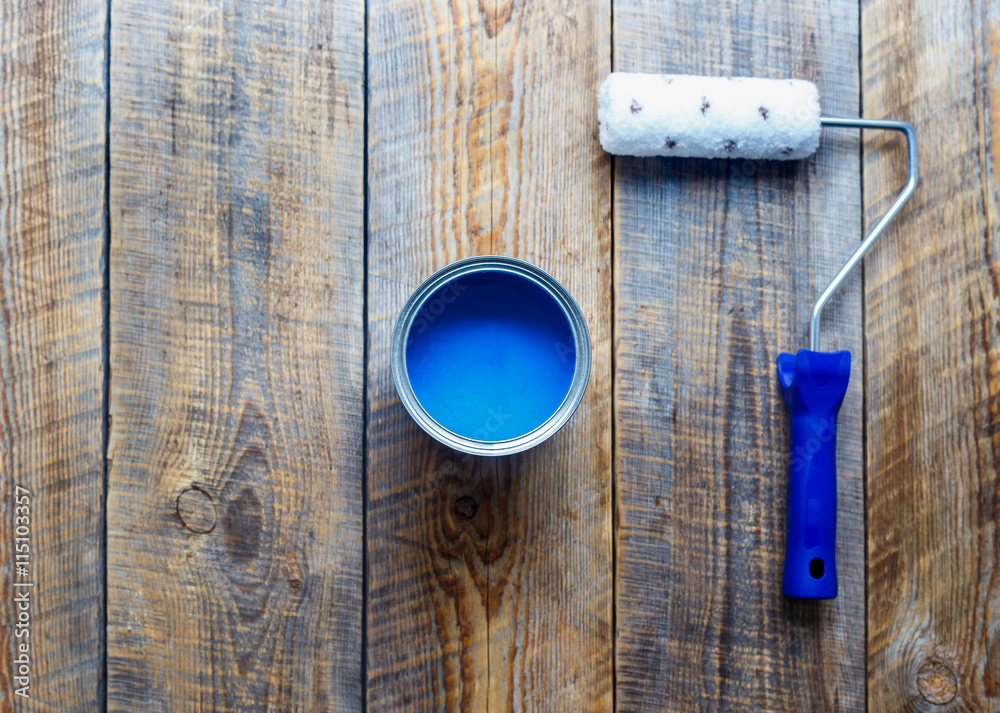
(491,355)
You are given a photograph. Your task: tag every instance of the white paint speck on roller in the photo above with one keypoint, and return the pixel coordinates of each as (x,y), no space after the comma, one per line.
(708,117)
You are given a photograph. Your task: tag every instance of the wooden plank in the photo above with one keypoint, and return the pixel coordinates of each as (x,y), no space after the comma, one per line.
(717,265)
(490,579)
(52,168)
(235,503)
(932,339)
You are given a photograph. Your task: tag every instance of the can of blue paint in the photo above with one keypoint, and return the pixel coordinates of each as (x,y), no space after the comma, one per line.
(491,355)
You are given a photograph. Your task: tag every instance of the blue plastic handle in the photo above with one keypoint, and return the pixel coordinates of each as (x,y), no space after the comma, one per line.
(813,385)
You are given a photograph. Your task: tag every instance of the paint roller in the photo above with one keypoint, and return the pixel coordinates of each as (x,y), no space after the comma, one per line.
(779,119)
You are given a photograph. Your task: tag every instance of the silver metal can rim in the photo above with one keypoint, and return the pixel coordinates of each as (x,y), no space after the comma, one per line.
(581,343)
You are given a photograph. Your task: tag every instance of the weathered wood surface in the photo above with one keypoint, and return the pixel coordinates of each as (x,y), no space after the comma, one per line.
(933,368)
(234,508)
(490,579)
(52,100)
(237,341)
(717,265)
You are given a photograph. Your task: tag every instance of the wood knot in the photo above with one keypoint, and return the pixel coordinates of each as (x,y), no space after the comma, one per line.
(465,508)
(937,683)
(196,511)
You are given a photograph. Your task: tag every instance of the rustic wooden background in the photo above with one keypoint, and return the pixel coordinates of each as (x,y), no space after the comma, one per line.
(210,214)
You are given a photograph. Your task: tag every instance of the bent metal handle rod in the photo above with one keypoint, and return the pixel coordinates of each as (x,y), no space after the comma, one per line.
(866,244)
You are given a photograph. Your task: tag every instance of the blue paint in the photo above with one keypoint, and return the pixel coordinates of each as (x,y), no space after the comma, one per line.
(490,356)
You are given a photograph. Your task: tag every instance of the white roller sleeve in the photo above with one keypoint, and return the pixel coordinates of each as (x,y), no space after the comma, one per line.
(708,117)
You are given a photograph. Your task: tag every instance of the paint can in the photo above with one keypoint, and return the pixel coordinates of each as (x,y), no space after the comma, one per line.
(491,355)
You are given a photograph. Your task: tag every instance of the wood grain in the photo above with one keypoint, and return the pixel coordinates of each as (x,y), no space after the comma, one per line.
(235,503)
(490,579)
(932,341)
(52,99)
(717,265)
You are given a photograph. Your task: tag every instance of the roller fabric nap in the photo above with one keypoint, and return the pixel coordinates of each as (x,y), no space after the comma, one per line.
(708,117)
